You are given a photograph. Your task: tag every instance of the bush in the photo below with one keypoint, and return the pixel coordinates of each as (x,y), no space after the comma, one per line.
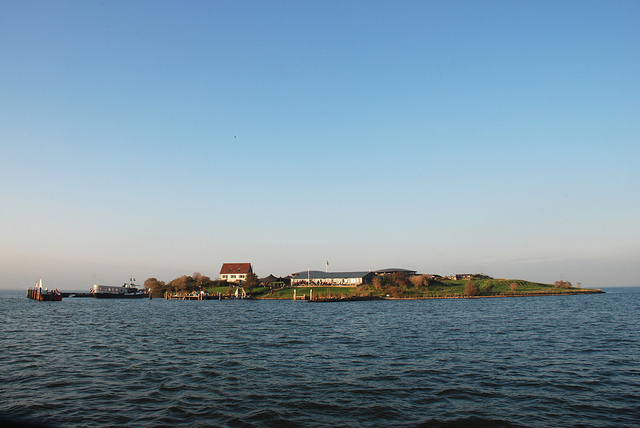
(393,291)
(471,289)
(562,284)
(251,281)
(419,281)
(488,288)
(158,288)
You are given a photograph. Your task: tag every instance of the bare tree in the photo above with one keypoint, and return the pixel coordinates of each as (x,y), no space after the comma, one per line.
(562,284)
(419,280)
(471,289)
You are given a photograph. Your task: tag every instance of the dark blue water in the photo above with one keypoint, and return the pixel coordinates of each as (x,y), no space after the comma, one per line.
(543,361)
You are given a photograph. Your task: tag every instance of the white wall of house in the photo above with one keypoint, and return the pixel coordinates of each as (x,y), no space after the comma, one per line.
(233,277)
(330,280)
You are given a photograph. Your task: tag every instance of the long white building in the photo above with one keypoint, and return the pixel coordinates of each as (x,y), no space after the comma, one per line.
(316,277)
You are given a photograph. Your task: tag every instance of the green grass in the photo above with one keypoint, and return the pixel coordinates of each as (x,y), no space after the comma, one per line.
(319,292)
(441,289)
(488,287)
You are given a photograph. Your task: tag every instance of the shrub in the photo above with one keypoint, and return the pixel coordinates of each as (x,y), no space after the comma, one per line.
(419,281)
(488,288)
(251,281)
(377,284)
(562,284)
(393,291)
(471,289)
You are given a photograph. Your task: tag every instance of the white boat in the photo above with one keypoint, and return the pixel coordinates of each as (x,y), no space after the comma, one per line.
(125,291)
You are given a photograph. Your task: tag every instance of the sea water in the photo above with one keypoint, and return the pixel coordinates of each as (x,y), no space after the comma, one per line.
(530,361)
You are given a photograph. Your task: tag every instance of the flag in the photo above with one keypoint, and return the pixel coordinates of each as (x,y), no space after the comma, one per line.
(327,262)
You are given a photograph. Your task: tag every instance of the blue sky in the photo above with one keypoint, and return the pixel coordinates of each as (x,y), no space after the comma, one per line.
(162,138)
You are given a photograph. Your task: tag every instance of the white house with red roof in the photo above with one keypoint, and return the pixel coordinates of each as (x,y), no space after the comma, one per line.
(235,272)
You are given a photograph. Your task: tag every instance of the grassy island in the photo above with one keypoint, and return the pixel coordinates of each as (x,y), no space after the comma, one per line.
(435,289)
(421,289)
(394,286)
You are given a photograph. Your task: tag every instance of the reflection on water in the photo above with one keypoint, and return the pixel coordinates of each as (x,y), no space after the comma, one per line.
(568,360)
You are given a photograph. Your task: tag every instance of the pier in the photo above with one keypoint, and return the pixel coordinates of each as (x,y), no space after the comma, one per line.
(190,296)
(202,296)
(43,295)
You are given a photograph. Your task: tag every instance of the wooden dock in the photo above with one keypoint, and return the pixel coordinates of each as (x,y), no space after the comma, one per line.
(190,296)
(193,296)
(201,296)
(43,295)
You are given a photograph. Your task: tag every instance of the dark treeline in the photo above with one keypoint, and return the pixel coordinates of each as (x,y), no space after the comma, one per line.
(182,284)
(195,283)
(562,284)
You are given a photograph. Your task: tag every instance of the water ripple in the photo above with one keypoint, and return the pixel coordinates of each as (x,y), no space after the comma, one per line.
(494,362)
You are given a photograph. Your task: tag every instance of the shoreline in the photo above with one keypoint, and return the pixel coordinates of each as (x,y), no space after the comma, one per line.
(372,298)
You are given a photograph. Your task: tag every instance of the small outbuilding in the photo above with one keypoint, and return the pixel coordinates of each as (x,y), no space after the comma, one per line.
(273,281)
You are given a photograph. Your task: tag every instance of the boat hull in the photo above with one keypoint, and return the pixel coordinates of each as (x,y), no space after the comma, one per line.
(120,296)
(127,291)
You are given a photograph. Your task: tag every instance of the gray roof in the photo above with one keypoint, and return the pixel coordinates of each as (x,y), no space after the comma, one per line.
(318,274)
(394,270)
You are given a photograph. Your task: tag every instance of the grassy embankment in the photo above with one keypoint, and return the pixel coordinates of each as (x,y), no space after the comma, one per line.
(486,287)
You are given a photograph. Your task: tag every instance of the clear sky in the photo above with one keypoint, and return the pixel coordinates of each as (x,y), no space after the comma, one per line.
(160,138)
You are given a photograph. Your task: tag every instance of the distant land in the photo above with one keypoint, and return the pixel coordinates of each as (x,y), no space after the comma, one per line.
(442,289)
(398,285)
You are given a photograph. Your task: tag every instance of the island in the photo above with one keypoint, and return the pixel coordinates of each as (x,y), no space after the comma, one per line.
(396,285)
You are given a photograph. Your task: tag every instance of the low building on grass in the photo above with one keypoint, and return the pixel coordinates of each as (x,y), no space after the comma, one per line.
(273,281)
(391,271)
(316,277)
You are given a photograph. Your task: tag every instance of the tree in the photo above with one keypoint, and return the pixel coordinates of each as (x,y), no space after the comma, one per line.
(488,288)
(202,282)
(393,291)
(562,284)
(251,281)
(400,279)
(471,289)
(184,284)
(377,284)
(419,281)
(158,288)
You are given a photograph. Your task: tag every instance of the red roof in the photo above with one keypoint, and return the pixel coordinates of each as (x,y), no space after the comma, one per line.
(236,268)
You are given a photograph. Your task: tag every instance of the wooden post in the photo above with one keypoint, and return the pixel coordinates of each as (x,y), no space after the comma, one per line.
(294,294)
